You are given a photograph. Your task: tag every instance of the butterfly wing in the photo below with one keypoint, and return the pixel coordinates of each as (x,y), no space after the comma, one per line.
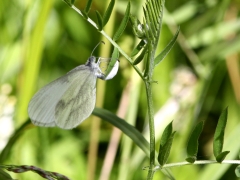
(78,102)
(43,106)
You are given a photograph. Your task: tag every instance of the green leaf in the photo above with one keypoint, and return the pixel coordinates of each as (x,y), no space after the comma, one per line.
(126,128)
(88,7)
(157,12)
(192,147)
(108,12)
(138,48)
(149,23)
(115,54)
(222,156)
(99,20)
(152,18)
(152,22)
(166,135)
(114,58)
(141,56)
(191,159)
(165,150)
(4,175)
(166,50)
(237,171)
(165,144)
(69,2)
(123,23)
(219,133)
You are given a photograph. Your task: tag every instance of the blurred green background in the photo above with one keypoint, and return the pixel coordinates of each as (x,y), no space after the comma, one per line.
(42,40)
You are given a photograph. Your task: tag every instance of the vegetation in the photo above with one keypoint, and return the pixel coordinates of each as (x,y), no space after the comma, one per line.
(170,106)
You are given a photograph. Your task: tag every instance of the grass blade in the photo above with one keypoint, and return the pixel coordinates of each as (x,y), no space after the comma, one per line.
(126,128)
(4,175)
(17,134)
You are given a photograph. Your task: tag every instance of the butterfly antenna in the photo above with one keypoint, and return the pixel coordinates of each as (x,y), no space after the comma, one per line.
(97,46)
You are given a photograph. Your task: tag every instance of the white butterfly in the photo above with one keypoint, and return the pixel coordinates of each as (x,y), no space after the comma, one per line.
(70,99)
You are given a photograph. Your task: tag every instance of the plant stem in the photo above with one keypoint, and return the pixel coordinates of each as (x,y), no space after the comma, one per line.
(151,128)
(148,85)
(171,165)
(152,45)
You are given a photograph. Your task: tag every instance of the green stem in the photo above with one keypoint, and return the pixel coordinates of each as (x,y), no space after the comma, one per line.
(150,174)
(148,85)
(151,121)
(151,128)
(200,162)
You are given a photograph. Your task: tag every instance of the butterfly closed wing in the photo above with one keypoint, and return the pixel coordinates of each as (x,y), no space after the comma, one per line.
(68,100)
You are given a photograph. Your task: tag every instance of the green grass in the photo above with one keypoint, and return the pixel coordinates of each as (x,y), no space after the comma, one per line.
(42,40)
